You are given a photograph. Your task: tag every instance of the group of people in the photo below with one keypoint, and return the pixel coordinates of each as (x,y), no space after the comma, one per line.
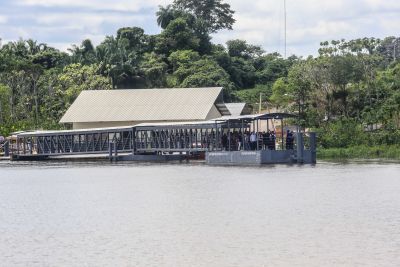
(248,140)
(235,140)
(254,140)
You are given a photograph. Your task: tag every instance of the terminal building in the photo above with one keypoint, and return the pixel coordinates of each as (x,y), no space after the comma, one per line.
(129,107)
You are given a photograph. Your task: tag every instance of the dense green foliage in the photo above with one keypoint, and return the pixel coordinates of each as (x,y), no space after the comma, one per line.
(360,152)
(350,93)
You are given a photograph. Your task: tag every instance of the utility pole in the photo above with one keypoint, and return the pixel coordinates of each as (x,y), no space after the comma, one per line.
(284,14)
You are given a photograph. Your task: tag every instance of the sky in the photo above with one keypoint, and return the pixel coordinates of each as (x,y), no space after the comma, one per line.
(61,23)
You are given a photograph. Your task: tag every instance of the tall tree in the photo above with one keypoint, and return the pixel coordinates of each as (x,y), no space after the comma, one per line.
(192,70)
(177,36)
(211,15)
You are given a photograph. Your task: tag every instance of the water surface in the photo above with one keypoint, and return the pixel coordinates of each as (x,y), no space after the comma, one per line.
(102,214)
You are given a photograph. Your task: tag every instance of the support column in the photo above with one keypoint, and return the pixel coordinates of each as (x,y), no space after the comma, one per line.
(133,138)
(17,145)
(7,149)
(216,137)
(24,146)
(257,136)
(115,150)
(110,150)
(282,134)
(242,130)
(229,136)
(313,147)
(300,148)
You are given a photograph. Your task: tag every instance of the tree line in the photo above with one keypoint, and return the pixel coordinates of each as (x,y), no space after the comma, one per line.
(351,87)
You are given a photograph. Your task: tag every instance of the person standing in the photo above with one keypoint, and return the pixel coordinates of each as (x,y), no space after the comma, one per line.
(253,141)
(239,140)
(273,139)
(224,141)
(264,141)
(288,138)
(291,144)
(246,140)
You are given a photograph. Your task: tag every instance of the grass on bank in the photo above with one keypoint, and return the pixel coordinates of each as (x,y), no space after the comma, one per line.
(360,152)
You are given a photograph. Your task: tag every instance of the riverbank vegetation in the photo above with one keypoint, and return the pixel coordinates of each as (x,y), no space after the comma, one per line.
(349,93)
(360,152)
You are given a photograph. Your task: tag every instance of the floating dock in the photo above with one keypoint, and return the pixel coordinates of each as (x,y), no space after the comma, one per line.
(224,141)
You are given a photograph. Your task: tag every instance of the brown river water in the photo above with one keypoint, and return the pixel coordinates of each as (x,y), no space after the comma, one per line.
(103,214)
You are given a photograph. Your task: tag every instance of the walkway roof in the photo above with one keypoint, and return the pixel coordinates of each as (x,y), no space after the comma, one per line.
(165,125)
(262,116)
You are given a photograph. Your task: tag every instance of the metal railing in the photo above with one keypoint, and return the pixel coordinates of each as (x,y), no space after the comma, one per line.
(73,143)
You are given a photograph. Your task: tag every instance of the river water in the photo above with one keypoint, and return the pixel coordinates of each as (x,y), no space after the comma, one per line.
(103,214)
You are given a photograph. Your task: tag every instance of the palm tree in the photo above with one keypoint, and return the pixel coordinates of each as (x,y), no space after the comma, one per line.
(165,15)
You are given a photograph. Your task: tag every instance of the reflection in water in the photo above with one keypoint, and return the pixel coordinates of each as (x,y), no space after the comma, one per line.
(102,214)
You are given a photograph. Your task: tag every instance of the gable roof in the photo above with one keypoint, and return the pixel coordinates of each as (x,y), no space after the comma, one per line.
(237,109)
(181,104)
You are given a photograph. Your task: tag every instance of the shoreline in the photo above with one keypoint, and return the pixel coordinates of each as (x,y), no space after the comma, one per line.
(383,152)
(363,153)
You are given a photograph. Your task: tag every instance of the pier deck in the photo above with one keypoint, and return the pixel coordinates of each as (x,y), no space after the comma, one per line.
(221,141)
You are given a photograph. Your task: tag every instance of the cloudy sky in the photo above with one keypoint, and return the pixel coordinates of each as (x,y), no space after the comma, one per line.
(61,23)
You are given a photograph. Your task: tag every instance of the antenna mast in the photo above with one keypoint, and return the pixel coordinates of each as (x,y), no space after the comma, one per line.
(284,14)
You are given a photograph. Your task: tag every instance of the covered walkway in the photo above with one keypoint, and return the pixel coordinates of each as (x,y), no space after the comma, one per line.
(230,133)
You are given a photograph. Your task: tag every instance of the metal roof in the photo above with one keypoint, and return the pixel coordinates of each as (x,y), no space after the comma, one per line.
(261,116)
(237,109)
(141,126)
(179,104)
(78,131)
(179,125)
(147,126)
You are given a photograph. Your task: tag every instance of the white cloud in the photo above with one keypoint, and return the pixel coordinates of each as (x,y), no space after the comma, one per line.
(391,26)
(60,45)
(89,23)
(116,5)
(3,19)
(387,4)
(258,21)
(309,22)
